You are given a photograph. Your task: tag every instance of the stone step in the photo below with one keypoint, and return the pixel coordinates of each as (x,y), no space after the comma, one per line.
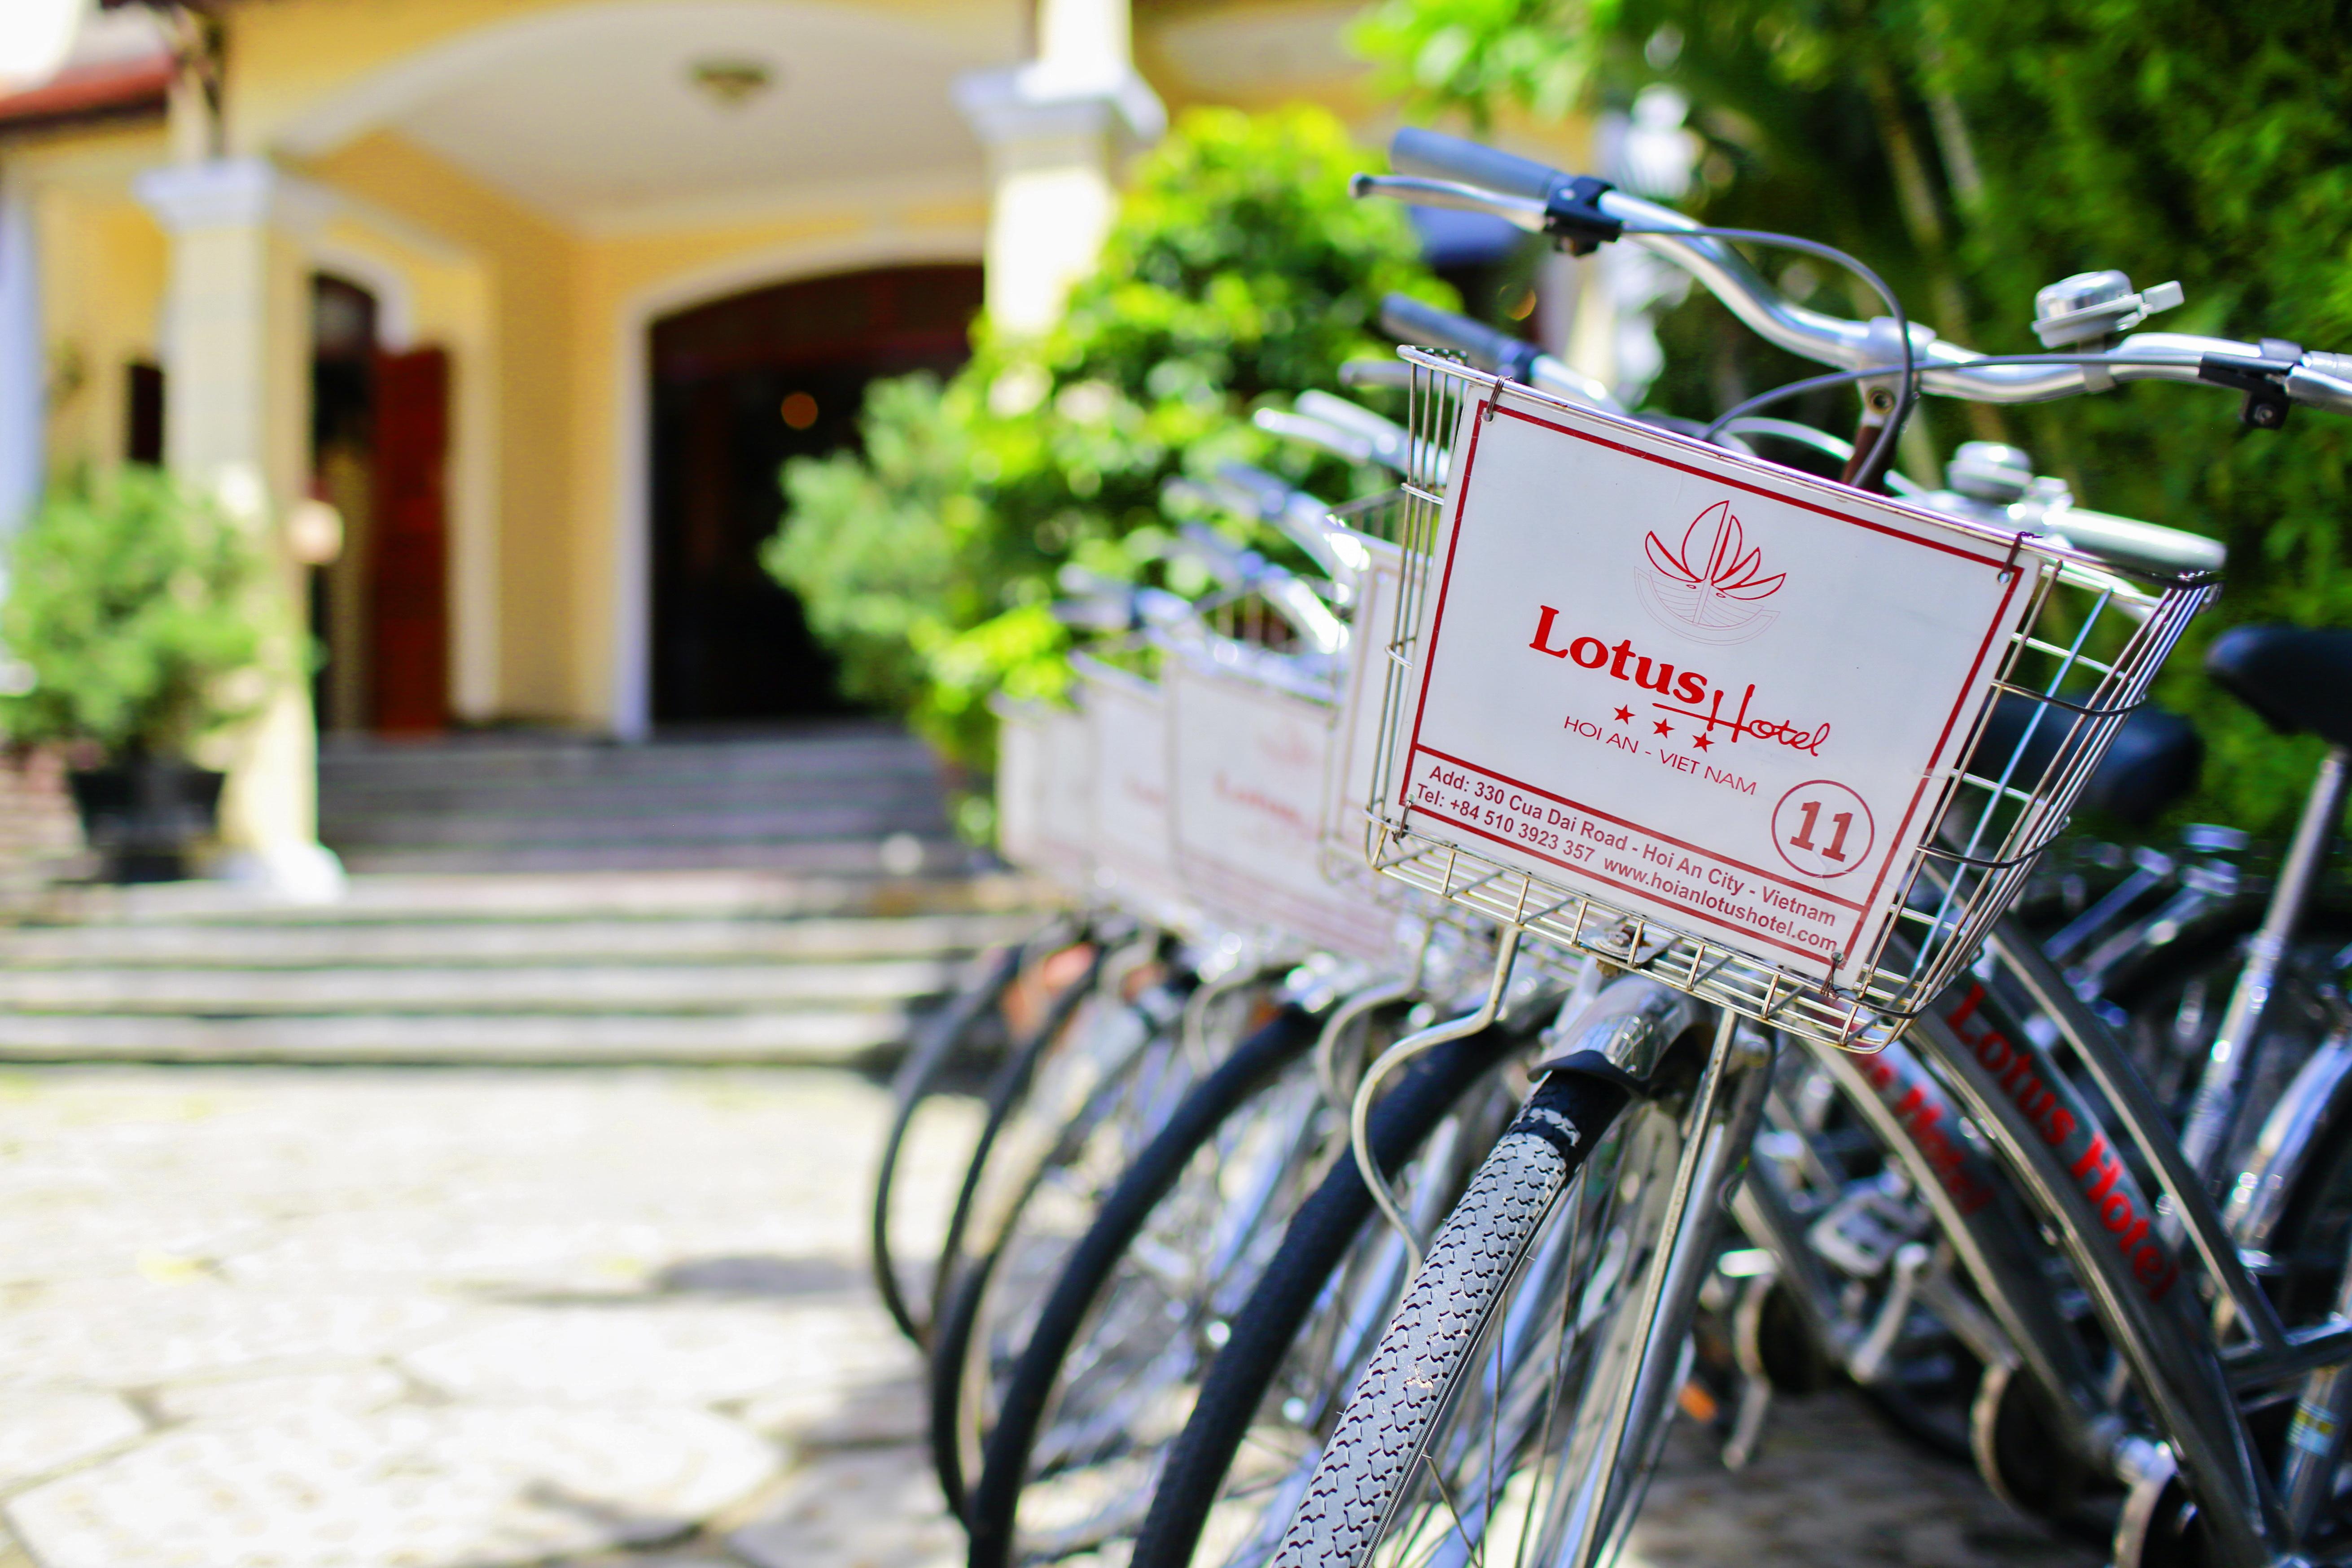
(523,767)
(740,893)
(418,989)
(542,899)
(802,1037)
(659,940)
(816,856)
(631,798)
(555,822)
(859,750)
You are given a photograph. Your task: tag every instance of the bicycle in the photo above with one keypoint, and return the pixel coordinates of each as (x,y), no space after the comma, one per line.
(1086,1409)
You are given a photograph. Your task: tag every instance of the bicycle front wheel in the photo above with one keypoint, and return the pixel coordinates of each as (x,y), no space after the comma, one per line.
(1233,1478)
(945,1043)
(1476,1429)
(1106,1378)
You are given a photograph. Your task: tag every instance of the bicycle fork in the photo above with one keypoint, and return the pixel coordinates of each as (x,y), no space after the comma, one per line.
(1624,1036)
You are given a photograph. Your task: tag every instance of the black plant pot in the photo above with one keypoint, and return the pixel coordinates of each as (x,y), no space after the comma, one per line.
(142,814)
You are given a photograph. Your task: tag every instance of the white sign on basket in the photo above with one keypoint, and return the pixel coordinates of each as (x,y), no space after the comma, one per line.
(1249,766)
(1045,791)
(1357,732)
(1021,776)
(1134,850)
(1698,687)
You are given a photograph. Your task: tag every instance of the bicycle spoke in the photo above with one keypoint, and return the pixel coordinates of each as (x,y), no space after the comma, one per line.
(1446,1497)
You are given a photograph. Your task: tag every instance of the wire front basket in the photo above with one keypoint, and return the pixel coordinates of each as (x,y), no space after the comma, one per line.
(2075,667)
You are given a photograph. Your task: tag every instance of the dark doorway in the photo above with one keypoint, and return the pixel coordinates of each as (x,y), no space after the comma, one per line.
(342,474)
(142,421)
(739,386)
(379,452)
(408,578)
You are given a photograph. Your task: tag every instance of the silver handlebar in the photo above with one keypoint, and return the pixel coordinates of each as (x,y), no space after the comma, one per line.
(1946,369)
(2323,381)
(1530,197)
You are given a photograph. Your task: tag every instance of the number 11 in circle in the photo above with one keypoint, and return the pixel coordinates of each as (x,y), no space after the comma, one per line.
(1842,823)
(1823,828)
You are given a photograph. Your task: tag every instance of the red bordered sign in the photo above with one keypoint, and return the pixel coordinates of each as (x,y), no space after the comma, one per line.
(1696,686)
(1248,769)
(1134,851)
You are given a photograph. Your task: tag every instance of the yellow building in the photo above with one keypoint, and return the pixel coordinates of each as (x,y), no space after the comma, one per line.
(538,292)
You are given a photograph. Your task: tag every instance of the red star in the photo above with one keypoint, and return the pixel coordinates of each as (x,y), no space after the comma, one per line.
(1665,728)
(1702,743)
(1624,715)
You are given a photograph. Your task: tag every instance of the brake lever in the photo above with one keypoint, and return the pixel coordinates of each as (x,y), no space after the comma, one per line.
(1297,515)
(1390,440)
(2262,379)
(1345,445)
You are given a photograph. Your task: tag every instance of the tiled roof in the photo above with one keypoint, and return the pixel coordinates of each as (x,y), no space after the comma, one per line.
(139,85)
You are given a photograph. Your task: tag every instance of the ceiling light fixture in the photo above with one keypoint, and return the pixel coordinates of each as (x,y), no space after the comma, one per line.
(732,83)
(35,37)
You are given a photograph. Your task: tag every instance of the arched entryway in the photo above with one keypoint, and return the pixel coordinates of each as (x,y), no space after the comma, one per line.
(740,386)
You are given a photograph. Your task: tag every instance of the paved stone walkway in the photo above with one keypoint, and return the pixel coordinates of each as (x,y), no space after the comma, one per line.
(601,1317)
(264,1317)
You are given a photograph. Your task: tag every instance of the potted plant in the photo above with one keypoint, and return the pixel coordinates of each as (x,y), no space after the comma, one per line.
(130,611)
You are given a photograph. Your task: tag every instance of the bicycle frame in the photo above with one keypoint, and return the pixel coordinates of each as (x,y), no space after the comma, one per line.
(1972,1056)
(2054,1139)
(1915,1118)
(2214,1115)
(2009,1085)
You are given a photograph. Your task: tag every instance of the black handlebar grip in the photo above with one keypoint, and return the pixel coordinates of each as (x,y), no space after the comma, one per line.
(1434,155)
(1409,320)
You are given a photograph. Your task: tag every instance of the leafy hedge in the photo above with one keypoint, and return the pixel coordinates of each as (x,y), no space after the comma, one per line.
(1238,267)
(1975,152)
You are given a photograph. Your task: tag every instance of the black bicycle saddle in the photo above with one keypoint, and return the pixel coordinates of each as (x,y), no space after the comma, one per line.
(2153,761)
(2299,678)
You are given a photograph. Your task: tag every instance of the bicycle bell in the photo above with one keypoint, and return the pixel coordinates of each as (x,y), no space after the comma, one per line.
(2093,306)
(1989,471)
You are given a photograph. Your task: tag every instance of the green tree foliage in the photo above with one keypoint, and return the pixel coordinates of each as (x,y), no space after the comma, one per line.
(1474,56)
(130,603)
(1239,267)
(1973,153)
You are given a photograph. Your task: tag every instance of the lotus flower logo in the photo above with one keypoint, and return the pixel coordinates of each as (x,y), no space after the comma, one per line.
(1712,586)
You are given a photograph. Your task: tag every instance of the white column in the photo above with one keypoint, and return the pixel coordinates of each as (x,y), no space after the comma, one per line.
(23,404)
(1055,129)
(237,423)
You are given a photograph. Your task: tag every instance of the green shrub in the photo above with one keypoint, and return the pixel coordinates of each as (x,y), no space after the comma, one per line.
(129,610)
(1239,267)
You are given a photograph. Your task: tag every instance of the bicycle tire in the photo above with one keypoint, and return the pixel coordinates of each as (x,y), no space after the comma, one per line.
(1410,1381)
(1314,1246)
(972,1279)
(1006,1091)
(935,1050)
(992,1504)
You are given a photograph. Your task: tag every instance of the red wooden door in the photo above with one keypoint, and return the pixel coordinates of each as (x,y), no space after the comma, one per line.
(408,566)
